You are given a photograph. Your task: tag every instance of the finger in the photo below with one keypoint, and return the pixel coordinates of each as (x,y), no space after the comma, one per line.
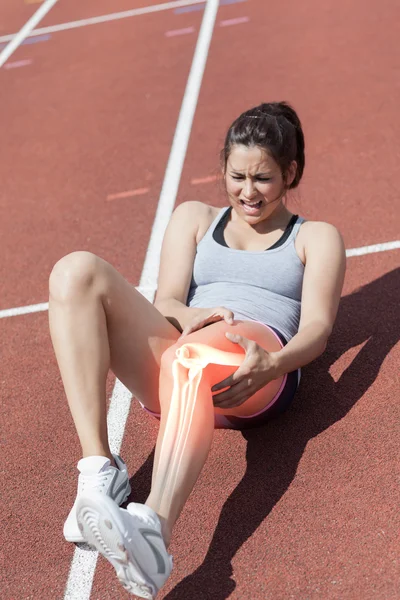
(239,389)
(233,401)
(185,332)
(235,396)
(197,326)
(191,329)
(228,317)
(243,373)
(245,343)
(226,314)
(228,382)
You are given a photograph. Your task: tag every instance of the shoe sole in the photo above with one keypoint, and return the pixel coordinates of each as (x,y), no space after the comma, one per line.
(102,527)
(81,540)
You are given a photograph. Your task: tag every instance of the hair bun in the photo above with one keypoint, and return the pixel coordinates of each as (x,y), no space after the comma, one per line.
(285,110)
(274,126)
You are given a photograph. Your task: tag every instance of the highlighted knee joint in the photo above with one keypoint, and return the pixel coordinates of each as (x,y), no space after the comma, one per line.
(187,372)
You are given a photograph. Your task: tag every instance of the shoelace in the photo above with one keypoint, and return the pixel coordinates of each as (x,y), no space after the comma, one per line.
(96,482)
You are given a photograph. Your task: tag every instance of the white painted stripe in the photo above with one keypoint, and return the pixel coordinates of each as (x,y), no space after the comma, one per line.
(179,145)
(118,413)
(33,308)
(26,30)
(374,248)
(134,12)
(80,579)
(23,310)
(84,560)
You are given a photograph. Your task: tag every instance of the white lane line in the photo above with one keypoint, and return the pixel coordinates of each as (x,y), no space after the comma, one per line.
(84,560)
(179,145)
(23,310)
(80,579)
(374,248)
(26,30)
(134,12)
(33,308)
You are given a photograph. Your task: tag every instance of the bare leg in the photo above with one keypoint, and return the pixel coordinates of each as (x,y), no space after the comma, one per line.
(189,369)
(187,426)
(97,321)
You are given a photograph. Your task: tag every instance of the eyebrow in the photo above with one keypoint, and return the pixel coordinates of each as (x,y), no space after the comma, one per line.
(257,174)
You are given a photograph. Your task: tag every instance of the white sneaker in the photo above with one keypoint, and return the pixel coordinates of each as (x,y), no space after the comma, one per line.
(130,540)
(97,475)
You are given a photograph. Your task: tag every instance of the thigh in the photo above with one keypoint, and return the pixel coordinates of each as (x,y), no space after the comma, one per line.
(138,335)
(214,336)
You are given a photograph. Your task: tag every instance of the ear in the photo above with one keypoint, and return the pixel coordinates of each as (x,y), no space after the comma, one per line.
(291,173)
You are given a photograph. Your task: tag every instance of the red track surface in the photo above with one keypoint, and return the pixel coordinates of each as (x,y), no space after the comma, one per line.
(306,507)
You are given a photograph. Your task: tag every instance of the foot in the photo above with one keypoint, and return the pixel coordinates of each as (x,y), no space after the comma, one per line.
(99,476)
(166,530)
(131,540)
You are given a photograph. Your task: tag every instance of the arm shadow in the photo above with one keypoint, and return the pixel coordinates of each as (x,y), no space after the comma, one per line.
(368,316)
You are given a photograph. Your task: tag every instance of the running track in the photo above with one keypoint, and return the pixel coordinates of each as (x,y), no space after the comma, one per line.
(307,507)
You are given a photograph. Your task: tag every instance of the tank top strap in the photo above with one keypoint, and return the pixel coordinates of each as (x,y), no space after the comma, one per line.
(218,224)
(219,221)
(296,227)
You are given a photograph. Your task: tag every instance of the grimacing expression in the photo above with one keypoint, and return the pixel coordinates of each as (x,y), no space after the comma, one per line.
(254,182)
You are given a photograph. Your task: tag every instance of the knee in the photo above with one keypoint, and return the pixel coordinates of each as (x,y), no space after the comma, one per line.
(73,274)
(168,356)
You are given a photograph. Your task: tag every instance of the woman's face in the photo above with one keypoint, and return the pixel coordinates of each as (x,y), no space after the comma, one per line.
(254,182)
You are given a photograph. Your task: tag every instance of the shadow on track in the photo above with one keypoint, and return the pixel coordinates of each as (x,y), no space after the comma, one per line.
(369,316)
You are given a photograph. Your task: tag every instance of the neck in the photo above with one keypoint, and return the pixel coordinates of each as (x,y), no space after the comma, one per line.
(277,219)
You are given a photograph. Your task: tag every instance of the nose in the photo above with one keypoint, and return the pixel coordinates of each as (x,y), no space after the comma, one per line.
(248,189)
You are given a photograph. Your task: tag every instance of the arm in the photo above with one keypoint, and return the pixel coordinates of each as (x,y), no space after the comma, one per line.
(176,312)
(322,286)
(176,264)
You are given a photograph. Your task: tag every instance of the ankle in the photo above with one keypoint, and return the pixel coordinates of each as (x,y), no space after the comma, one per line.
(166,524)
(166,530)
(101,453)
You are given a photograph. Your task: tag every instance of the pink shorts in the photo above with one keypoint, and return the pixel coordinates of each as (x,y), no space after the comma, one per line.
(279,404)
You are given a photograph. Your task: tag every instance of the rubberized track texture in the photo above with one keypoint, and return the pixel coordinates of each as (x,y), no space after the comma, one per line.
(306,507)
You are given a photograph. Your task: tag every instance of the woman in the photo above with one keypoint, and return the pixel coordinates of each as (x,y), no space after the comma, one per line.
(254,291)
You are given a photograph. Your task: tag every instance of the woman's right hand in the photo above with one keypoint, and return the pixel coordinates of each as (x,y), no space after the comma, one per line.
(206,316)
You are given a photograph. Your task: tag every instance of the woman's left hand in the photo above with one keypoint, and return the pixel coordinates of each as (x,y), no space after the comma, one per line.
(255,372)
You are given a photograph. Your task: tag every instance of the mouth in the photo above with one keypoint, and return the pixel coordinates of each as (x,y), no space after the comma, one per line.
(251,208)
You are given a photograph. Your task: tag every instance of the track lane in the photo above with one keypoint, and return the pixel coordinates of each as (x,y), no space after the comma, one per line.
(117,117)
(304,507)
(311,472)
(315,472)
(13,15)
(337,63)
(128,142)
(40,452)
(74,10)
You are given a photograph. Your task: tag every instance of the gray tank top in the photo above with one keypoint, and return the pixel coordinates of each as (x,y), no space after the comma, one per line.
(259,286)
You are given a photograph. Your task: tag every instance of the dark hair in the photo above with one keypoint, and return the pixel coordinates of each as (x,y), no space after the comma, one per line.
(276,128)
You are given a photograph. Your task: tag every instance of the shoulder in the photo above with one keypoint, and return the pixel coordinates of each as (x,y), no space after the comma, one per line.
(190,207)
(204,215)
(312,229)
(196,215)
(317,236)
